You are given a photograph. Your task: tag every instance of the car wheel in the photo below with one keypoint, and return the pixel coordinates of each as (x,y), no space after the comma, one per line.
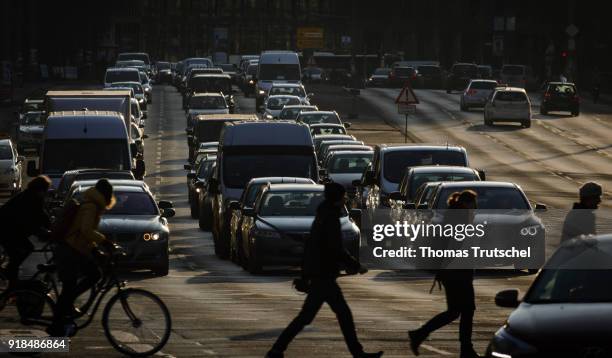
(527,123)
(488,121)
(193,208)
(161,270)
(204,219)
(575,113)
(543,110)
(448,91)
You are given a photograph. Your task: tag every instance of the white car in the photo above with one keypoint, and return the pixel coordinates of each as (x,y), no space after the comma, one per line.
(508,104)
(290,89)
(11,167)
(275,104)
(477,93)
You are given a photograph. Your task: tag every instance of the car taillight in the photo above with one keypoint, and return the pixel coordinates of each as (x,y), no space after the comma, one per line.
(471,92)
(547,95)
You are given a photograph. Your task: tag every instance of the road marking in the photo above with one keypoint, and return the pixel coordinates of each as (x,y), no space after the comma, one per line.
(436,350)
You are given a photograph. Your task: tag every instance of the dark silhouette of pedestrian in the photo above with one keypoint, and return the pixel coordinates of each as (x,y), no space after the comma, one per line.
(77,268)
(22,216)
(458,287)
(581,219)
(324,256)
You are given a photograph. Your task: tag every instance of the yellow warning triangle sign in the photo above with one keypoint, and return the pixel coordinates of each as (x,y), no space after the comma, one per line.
(407,96)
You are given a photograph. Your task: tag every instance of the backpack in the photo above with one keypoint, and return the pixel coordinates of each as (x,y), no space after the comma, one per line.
(64,221)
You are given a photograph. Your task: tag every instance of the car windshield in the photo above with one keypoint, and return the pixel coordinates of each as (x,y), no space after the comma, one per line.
(32,119)
(484,85)
(489,198)
(562,89)
(204,168)
(510,96)
(290,203)
(571,286)
(404,71)
(313,118)
(349,163)
(396,162)
(132,203)
(327,130)
(292,113)
(290,91)
(122,76)
(513,70)
(207,102)
(429,70)
(163,65)
(252,70)
(135,86)
(421,178)
(467,70)
(382,71)
(5,152)
(239,169)
(85,153)
(279,72)
(276,103)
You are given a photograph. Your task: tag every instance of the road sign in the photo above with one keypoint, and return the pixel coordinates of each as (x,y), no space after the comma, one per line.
(407,96)
(310,37)
(403,108)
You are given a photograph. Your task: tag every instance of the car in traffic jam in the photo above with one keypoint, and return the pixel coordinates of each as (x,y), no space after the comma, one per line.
(266,157)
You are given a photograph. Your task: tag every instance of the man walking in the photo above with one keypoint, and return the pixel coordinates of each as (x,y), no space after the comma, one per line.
(324,255)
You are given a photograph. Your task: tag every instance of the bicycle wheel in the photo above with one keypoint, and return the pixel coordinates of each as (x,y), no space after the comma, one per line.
(136,322)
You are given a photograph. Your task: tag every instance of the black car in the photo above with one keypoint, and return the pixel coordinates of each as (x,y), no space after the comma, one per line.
(137,223)
(274,231)
(203,199)
(428,76)
(163,72)
(400,76)
(560,96)
(247,200)
(196,175)
(460,76)
(379,78)
(566,313)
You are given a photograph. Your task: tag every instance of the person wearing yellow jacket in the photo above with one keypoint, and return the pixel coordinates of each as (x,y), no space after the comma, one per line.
(77,268)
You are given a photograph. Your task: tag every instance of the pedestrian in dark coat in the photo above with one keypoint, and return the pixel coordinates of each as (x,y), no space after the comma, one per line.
(324,257)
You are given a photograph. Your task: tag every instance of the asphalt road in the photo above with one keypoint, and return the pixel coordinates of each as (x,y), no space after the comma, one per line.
(219,310)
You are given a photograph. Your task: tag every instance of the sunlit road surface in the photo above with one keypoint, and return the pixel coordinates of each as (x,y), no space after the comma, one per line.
(220,310)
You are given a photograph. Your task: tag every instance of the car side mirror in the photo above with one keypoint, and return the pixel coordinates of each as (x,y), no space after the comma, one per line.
(234,205)
(32,170)
(189,130)
(21,159)
(191,175)
(141,126)
(168,213)
(541,207)
(145,136)
(187,166)
(396,195)
(422,207)
(482,174)
(347,124)
(322,172)
(310,95)
(165,204)
(199,184)
(144,115)
(507,298)
(356,182)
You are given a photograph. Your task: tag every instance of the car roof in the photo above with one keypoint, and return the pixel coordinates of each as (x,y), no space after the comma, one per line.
(283,96)
(78,187)
(319,112)
(442,169)
(480,184)
(211,75)
(483,80)
(93,170)
(335,125)
(280,180)
(296,187)
(351,152)
(562,83)
(299,106)
(112,69)
(207,94)
(280,84)
(113,182)
(415,147)
(510,89)
(227,117)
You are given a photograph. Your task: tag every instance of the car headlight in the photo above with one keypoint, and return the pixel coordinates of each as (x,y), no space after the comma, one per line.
(266,234)
(505,345)
(262,92)
(147,89)
(531,230)
(151,236)
(251,82)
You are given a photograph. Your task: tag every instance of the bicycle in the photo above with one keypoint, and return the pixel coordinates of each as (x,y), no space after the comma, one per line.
(136,322)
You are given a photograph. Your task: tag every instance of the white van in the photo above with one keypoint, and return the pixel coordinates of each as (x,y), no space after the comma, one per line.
(82,139)
(276,66)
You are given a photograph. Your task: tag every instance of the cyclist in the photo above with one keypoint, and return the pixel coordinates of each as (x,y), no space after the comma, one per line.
(77,267)
(22,216)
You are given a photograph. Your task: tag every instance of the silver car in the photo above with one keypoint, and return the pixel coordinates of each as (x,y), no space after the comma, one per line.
(477,93)
(508,104)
